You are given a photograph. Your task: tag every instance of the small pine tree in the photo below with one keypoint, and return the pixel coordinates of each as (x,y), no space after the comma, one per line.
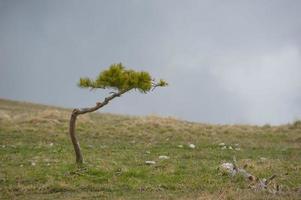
(120,80)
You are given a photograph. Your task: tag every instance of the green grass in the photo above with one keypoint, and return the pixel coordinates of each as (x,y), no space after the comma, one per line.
(37,159)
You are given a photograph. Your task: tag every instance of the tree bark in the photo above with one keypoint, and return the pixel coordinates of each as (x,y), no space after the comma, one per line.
(76,113)
(78,154)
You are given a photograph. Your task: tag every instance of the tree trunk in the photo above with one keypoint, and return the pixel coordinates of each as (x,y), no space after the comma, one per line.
(78,154)
(76,112)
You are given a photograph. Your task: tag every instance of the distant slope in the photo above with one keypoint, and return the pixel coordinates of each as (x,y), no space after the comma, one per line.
(37,161)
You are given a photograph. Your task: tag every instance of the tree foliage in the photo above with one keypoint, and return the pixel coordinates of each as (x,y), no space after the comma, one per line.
(119,78)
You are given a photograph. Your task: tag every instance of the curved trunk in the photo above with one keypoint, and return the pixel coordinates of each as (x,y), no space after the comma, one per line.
(78,154)
(72,123)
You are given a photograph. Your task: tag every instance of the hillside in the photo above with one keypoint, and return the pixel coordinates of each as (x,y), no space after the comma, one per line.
(37,161)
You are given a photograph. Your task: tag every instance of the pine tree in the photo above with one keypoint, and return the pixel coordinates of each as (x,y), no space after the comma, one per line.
(120,80)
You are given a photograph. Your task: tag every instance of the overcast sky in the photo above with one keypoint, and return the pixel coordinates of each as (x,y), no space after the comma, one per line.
(226,61)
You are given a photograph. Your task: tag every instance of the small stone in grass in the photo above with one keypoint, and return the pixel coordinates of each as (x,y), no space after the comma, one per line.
(163,157)
(51,144)
(263,158)
(150,162)
(33,164)
(230,148)
(192,146)
(237,149)
(227,166)
(224,147)
(180,146)
(221,144)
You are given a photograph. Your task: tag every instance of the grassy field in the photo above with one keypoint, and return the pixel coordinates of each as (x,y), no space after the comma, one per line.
(37,158)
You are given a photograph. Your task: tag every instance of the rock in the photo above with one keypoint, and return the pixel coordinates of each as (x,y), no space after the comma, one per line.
(150,162)
(224,147)
(192,146)
(163,157)
(230,148)
(227,167)
(263,158)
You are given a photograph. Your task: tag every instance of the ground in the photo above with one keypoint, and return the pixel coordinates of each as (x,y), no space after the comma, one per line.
(37,159)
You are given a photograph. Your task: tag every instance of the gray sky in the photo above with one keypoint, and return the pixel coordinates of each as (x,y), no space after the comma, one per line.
(226,61)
